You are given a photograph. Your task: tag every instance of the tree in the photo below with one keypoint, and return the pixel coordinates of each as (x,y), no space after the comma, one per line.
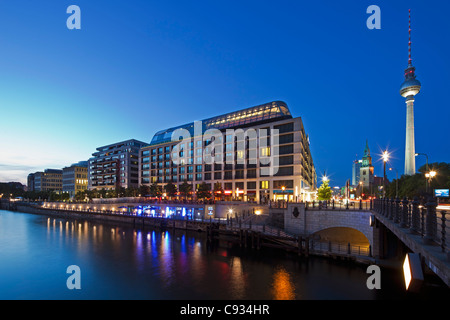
(80,195)
(144,190)
(155,190)
(218,189)
(185,189)
(324,192)
(416,185)
(203,191)
(170,189)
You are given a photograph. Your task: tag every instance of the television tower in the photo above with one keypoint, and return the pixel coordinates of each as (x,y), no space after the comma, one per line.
(410,87)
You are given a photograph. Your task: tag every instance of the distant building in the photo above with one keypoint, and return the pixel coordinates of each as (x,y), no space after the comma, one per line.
(366,170)
(30,182)
(356,168)
(75,178)
(115,165)
(49,180)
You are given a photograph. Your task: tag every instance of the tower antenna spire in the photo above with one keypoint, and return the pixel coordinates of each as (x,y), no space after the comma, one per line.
(409,43)
(410,87)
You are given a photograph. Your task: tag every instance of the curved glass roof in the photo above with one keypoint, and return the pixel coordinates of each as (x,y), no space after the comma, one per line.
(276,110)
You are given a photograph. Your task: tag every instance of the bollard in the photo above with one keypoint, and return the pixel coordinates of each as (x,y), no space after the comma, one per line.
(443,230)
(415,217)
(397,210)
(430,222)
(404,213)
(389,208)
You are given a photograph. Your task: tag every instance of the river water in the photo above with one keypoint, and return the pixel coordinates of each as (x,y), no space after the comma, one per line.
(118,262)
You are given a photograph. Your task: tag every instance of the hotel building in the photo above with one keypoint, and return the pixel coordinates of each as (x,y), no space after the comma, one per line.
(115,165)
(75,178)
(256,154)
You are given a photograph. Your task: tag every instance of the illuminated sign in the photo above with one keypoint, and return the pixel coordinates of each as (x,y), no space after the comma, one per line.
(442,193)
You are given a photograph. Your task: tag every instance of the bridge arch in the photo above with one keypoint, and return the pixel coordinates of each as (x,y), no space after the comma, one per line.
(311,221)
(342,235)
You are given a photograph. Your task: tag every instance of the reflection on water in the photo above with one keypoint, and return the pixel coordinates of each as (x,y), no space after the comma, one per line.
(283,288)
(127,263)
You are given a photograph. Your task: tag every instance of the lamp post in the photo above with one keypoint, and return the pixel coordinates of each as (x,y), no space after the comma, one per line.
(426,180)
(385,159)
(396,182)
(429,175)
(423,154)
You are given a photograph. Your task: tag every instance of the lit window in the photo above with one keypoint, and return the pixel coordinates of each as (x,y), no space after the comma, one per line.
(265,152)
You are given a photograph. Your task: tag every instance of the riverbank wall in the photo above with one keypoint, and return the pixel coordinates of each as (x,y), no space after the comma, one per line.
(134,221)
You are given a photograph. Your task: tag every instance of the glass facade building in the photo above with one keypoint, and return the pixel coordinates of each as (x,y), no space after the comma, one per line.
(256,154)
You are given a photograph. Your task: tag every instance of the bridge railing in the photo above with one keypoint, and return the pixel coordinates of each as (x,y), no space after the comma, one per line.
(339,205)
(419,216)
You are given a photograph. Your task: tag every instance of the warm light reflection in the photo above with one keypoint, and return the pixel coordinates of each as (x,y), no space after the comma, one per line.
(282,287)
(237,278)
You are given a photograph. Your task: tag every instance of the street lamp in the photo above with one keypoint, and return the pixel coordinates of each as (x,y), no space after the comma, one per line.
(385,159)
(430,175)
(396,182)
(426,180)
(423,154)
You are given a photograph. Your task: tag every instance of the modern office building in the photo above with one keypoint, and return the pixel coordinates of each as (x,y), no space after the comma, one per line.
(356,168)
(49,180)
(75,178)
(115,165)
(256,154)
(30,182)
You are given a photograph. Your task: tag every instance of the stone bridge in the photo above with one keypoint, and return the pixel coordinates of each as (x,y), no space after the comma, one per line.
(307,222)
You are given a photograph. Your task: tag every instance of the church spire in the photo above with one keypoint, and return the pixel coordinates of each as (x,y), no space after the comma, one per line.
(367,150)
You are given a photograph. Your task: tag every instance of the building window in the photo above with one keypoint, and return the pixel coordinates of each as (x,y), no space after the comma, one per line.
(239,185)
(265,152)
(288,127)
(251,185)
(279,184)
(285,171)
(264,185)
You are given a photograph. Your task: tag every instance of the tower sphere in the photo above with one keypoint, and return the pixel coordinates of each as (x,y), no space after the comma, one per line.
(410,87)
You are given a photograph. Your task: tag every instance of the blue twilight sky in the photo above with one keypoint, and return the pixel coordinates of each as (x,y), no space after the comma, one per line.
(136,67)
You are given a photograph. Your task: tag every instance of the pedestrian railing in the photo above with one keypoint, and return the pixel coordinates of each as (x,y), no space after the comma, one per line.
(340,248)
(339,205)
(419,216)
